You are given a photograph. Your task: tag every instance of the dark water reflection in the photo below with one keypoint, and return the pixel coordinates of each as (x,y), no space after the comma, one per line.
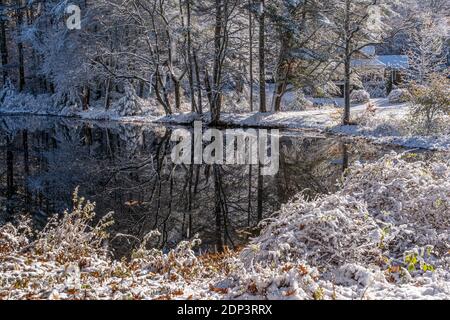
(127,169)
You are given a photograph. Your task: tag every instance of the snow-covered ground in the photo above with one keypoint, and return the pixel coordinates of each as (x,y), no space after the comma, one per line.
(384,235)
(380,128)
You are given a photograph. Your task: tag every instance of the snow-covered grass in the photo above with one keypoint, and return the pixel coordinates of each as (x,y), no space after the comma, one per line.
(387,123)
(14,103)
(384,235)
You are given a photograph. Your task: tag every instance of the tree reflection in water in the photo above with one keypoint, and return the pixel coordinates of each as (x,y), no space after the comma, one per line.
(127,169)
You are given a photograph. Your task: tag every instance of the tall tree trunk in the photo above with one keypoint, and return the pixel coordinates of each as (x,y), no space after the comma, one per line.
(86,97)
(345,157)
(260,193)
(199,84)
(278,94)
(347,62)
(249,195)
(177,90)
(262,58)
(282,74)
(250,35)
(158,85)
(219,38)
(190,58)
(20,46)
(108,94)
(9,168)
(3,43)
(218,209)
(347,92)
(26,164)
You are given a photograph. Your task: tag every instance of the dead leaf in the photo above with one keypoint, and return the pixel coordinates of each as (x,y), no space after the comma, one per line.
(218,290)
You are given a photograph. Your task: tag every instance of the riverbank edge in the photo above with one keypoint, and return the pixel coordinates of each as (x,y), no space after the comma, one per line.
(258,121)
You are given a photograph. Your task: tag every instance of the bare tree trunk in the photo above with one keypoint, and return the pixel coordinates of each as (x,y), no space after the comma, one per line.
(216,100)
(280,89)
(162,99)
(250,35)
(262,58)
(208,87)
(108,94)
(249,213)
(20,46)
(282,75)
(260,193)
(9,168)
(26,164)
(199,84)
(347,66)
(141,89)
(278,93)
(190,196)
(218,208)
(3,43)
(345,157)
(86,97)
(347,92)
(177,88)
(190,58)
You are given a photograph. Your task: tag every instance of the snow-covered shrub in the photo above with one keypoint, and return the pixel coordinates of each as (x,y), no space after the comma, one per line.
(384,209)
(7,90)
(399,96)
(330,230)
(22,102)
(350,274)
(71,254)
(376,90)
(430,105)
(402,192)
(371,124)
(235,102)
(68,103)
(359,96)
(294,280)
(412,199)
(152,107)
(381,128)
(71,237)
(129,104)
(14,237)
(299,103)
(367,116)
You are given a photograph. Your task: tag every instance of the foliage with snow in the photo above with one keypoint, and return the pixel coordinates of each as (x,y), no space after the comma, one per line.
(384,235)
(427,54)
(399,96)
(7,91)
(129,104)
(360,96)
(299,103)
(430,105)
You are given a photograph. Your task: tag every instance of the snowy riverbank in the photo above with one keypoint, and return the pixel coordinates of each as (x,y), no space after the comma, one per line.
(380,126)
(385,235)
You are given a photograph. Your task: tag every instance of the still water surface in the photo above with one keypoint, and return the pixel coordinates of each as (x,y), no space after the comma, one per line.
(127,169)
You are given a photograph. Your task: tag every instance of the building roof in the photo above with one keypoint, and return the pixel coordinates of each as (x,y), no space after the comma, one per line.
(385,61)
(394,61)
(368,51)
(368,63)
